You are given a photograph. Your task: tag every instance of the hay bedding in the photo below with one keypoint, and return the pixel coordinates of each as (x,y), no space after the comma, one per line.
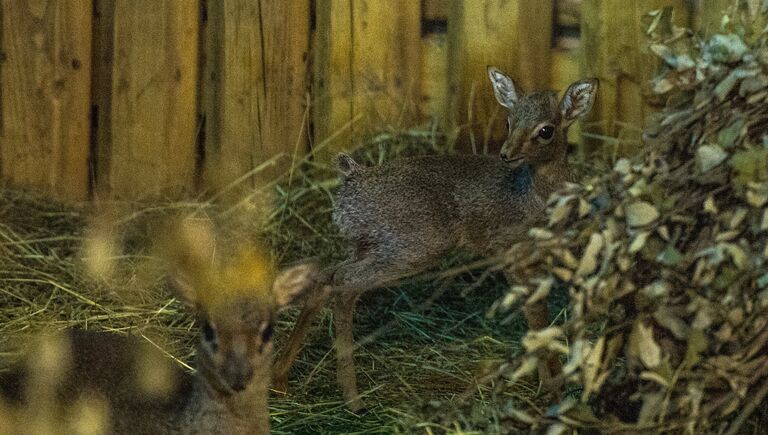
(665,257)
(66,267)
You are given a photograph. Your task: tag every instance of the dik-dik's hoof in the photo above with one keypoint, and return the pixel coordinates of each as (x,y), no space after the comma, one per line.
(280,385)
(357,406)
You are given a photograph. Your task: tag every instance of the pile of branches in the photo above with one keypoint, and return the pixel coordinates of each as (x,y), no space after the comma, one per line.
(665,258)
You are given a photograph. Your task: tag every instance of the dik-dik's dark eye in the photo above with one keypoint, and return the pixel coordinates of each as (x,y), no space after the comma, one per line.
(546,132)
(209,334)
(266,333)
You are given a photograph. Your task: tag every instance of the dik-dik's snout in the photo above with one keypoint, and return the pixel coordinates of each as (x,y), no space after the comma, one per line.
(512,150)
(511,154)
(237,371)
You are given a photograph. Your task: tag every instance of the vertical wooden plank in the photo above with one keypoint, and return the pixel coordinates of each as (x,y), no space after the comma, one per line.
(101,95)
(514,36)
(707,15)
(567,13)
(613,41)
(154,98)
(385,61)
(254,94)
(332,85)
(566,69)
(367,66)
(45,79)
(535,41)
(285,115)
(434,80)
(435,10)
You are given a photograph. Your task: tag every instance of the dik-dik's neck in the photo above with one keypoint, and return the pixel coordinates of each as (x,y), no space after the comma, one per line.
(240,413)
(551,176)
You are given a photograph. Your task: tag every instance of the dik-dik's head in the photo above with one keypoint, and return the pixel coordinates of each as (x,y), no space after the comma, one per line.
(236,297)
(537,123)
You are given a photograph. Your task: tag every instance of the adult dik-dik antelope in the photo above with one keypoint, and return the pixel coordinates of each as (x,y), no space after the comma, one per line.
(403,216)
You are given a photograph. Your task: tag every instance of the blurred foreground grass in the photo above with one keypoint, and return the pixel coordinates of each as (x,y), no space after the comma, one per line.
(416,362)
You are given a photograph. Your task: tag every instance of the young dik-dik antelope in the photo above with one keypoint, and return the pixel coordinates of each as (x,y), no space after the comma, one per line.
(235,301)
(401,217)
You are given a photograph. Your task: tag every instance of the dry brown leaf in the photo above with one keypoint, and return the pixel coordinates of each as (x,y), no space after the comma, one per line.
(589,261)
(640,213)
(645,347)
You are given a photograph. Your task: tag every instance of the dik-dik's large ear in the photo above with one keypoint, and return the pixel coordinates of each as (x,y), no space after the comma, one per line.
(504,88)
(293,282)
(578,100)
(188,246)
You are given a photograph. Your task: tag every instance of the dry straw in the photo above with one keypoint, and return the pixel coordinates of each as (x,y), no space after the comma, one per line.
(64,267)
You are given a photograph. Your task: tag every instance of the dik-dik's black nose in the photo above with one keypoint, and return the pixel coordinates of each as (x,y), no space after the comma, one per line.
(509,158)
(238,374)
(238,386)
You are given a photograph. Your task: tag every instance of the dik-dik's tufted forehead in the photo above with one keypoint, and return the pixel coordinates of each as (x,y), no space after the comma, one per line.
(208,276)
(245,277)
(236,284)
(535,108)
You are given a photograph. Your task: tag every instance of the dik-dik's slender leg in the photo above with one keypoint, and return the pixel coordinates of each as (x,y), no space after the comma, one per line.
(346,373)
(350,281)
(288,355)
(537,316)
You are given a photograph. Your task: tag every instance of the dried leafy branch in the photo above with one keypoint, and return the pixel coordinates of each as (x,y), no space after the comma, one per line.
(666,257)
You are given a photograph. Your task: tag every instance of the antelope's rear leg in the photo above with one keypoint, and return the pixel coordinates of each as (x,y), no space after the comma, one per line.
(350,281)
(549,368)
(346,373)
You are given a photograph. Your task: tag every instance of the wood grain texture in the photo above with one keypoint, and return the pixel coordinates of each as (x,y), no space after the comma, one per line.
(566,69)
(101,96)
(385,62)
(436,10)
(332,87)
(613,40)
(434,77)
(254,93)
(45,78)
(513,35)
(707,15)
(367,68)
(568,13)
(153,114)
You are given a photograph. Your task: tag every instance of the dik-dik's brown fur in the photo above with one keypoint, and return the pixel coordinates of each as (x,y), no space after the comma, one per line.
(235,301)
(401,217)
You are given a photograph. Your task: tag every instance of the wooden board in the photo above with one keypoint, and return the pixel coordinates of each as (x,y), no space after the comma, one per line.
(567,13)
(45,79)
(707,15)
(367,68)
(566,70)
(434,78)
(613,40)
(101,95)
(514,36)
(254,92)
(332,86)
(435,10)
(153,113)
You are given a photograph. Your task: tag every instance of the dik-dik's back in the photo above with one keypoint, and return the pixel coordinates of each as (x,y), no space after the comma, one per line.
(434,203)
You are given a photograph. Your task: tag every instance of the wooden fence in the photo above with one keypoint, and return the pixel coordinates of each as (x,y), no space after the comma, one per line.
(135,98)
